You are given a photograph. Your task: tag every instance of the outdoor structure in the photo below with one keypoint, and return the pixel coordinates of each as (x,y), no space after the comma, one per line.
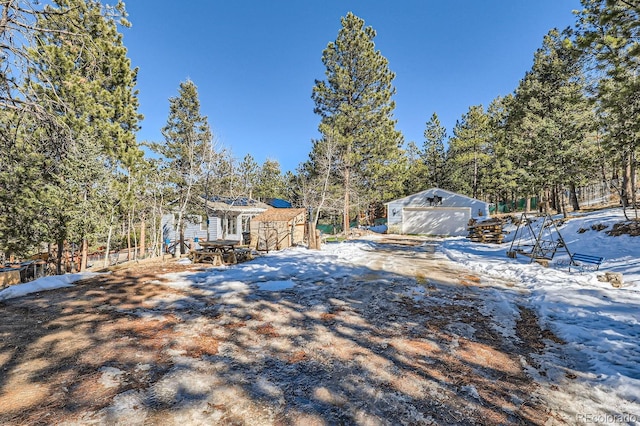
(227,219)
(434,212)
(277,229)
(538,238)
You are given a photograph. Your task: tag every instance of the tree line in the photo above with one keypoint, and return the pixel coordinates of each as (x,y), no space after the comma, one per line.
(72,170)
(573,120)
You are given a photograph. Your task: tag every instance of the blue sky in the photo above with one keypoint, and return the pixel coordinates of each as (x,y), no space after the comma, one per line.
(255,61)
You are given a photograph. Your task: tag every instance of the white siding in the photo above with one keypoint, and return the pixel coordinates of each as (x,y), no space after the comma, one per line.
(445,221)
(451,205)
(215,229)
(191,230)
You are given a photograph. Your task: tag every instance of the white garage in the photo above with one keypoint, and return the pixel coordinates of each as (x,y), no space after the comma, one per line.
(435,221)
(434,212)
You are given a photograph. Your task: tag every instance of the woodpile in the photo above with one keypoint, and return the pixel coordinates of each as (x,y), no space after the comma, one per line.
(488,231)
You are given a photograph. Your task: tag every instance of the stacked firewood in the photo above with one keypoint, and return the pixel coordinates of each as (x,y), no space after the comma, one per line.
(488,231)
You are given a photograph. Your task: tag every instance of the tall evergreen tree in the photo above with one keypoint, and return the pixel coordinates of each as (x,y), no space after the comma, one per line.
(269,182)
(468,154)
(21,226)
(82,79)
(417,173)
(187,142)
(609,31)
(434,151)
(554,119)
(500,177)
(248,171)
(356,110)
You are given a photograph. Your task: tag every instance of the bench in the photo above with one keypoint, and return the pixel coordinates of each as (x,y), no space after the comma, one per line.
(579,260)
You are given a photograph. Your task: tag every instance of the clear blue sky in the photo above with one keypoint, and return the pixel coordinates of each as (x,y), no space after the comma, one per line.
(255,61)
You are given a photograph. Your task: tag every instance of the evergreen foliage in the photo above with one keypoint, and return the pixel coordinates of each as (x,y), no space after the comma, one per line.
(417,173)
(500,180)
(80,78)
(435,153)
(248,171)
(356,110)
(608,33)
(269,181)
(187,144)
(553,118)
(468,155)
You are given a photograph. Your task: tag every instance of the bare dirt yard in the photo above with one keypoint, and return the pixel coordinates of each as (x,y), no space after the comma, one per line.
(125,348)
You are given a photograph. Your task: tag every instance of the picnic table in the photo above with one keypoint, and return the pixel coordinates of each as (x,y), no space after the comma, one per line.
(220,252)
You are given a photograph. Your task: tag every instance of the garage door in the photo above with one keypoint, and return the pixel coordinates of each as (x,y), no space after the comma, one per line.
(450,221)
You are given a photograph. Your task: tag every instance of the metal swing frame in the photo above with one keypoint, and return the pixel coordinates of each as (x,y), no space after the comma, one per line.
(543,249)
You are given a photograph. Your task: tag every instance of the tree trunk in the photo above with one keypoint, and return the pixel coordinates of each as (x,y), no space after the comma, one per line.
(475,173)
(180,232)
(129,236)
(345,213)
(545,202)
(181,242)
(311,234)
(553,199)
(573,195)
(563,204)
(633,184)
(85,255)
(142,237)
(135,236)
(626,189)
(106,253)
(59,257)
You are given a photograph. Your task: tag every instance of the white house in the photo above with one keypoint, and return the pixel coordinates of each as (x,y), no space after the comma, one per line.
(434,212)
(228,219)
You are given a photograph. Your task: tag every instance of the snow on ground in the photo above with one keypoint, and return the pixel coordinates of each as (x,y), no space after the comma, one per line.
(599,323)
(595,374)
(41,284)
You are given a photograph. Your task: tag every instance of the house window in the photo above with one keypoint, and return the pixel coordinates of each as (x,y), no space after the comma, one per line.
(246,220)
(231,223)
(204,223)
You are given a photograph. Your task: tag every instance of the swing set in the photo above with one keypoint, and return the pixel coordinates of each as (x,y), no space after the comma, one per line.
(537,239)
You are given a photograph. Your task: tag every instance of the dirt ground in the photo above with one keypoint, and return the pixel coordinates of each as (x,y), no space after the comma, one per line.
(123,348)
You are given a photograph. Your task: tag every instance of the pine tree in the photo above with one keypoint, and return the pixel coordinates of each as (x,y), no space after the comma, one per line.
(500,177)
(21,227)
(553,120)
(609,32)
(248,171)
(356,110)
(81,78)
(187,141)
(269,182)
(434,152)
(468,155)
(417,173)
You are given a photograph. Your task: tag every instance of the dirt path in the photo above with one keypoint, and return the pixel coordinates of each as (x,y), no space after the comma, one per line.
(411,341)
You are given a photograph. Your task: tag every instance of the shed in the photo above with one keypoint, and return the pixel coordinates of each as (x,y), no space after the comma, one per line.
(434,212)
(277,229)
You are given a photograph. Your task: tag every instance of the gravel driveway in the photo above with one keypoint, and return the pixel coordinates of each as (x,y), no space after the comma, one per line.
(415,340)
